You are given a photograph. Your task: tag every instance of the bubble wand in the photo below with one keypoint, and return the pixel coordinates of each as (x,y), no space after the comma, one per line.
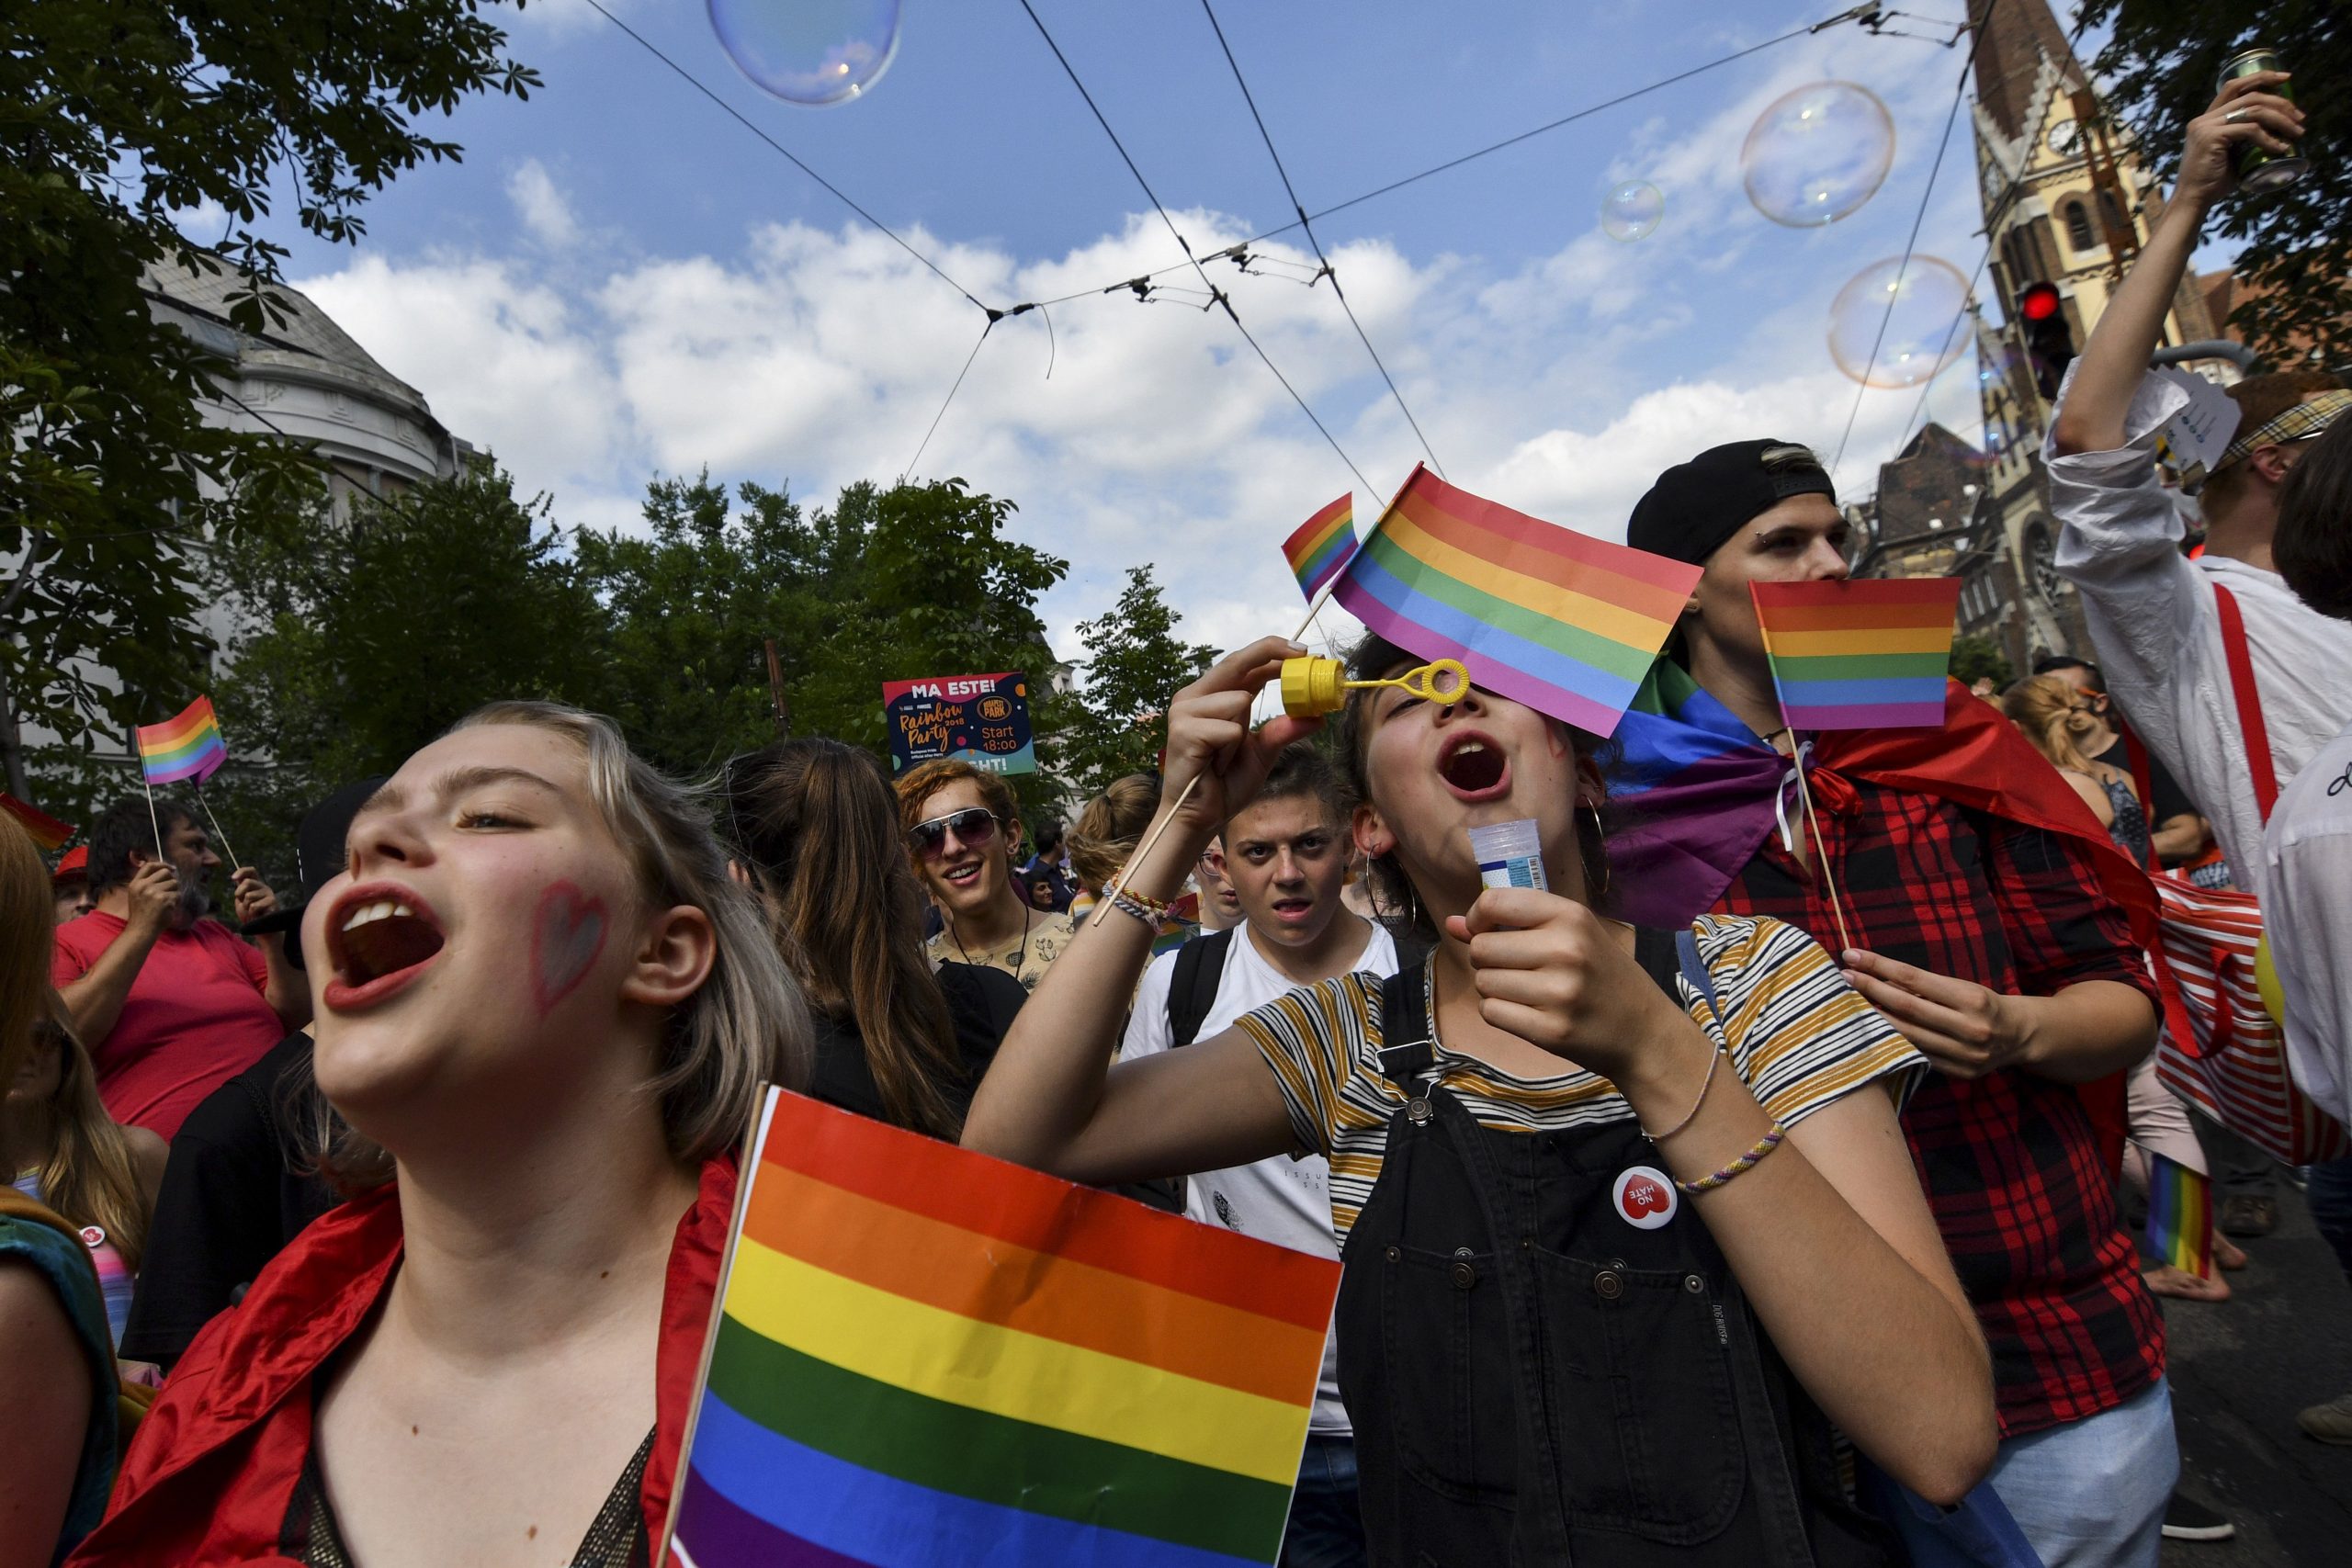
(1311,688)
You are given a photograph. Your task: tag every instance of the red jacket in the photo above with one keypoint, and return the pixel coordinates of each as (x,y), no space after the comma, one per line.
(212,1471)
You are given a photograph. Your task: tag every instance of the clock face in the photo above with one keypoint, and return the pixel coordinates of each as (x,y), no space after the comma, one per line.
(1993,179)
(2064,137)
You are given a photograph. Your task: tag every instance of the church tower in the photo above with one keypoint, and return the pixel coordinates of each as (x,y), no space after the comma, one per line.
(2068,201)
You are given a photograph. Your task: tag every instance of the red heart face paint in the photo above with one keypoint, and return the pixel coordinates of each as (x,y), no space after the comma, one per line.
(565,940)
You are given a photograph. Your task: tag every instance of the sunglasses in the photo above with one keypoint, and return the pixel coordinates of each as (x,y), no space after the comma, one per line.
(975,825)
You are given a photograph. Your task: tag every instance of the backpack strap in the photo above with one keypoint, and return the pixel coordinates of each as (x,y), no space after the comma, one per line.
(1192,990)
(1694,969)
(2248,696)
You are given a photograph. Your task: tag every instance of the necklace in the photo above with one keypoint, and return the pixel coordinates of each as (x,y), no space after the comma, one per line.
(1019,959)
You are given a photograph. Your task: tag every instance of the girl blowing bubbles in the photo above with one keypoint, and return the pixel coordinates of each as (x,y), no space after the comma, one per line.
(1551,1345)
(546,1015)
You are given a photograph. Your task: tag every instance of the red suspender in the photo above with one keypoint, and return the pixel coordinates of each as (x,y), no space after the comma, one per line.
(2249,701)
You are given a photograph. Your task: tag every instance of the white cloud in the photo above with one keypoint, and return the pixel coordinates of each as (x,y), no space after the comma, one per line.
(546,214)
(814,357)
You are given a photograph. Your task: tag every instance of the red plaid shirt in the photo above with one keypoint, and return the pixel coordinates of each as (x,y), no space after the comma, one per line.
(2009,1162)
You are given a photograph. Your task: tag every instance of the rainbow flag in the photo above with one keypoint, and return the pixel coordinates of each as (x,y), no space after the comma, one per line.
(1866,654)
(187,747)
(1567,624)
(923,1356)
(2180,1216)
(46,830)
(1322,545)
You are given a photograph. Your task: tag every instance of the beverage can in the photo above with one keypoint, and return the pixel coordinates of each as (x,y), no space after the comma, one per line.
(2259,169)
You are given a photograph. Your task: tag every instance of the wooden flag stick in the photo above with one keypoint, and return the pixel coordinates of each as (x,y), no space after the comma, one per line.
(1821,861)
(1144,849)
(215,828)
(775,692)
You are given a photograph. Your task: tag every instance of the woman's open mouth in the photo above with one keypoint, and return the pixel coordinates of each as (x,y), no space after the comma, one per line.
(1474,767)
(380,936)
(1293,911)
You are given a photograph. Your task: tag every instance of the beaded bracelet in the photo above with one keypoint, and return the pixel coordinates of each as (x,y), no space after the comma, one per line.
(1748,1161)
(1155,910)
(1136,904)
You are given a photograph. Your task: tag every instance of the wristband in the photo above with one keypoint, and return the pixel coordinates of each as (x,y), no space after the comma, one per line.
(1745,1163)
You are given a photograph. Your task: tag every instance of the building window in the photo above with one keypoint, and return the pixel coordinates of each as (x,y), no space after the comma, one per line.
(2110,212)
(2078,226)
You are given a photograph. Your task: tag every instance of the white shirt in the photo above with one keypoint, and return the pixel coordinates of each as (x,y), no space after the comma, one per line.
(1281,1200)
(2158,633)
(2307,917)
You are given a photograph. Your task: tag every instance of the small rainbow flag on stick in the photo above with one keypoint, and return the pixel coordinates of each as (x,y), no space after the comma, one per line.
(1322,545)
(187,747)
(2180,1216)
(1545,616)
(1868,654)
(923,1356)
(46,830)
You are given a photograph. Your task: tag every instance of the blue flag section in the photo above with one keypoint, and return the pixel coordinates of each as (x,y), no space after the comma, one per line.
(979,720)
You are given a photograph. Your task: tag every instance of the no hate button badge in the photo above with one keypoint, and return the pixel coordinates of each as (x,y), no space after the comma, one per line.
(1644,1197)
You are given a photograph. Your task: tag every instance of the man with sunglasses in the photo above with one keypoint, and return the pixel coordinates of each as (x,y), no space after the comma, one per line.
(963,831)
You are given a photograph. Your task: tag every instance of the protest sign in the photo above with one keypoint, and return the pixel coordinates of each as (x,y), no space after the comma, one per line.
(979,720)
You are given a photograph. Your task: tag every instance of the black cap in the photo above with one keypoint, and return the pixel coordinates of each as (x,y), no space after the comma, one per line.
(1695,506)
(320,852)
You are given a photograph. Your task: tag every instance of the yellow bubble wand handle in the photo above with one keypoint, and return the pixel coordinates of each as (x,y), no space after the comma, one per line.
(1312,687)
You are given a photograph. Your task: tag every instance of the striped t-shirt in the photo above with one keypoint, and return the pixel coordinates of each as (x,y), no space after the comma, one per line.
(1796,1033)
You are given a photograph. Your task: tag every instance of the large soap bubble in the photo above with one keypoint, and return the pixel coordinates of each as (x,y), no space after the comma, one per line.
(1632,211)
(1920,303)
(1816,155)
(809,52)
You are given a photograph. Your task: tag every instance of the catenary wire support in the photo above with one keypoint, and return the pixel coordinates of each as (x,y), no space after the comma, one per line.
(1910,245)
(994,317)
(1217,297)
(1307,227)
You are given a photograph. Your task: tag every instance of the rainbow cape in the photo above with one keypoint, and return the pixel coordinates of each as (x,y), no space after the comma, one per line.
(923,1356)
(186,747)
(1322,545)
(1867,653)
(2180,1216)
(46,830)
(1540,614)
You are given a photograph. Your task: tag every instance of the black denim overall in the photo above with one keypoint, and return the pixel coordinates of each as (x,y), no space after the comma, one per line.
(1535,1379)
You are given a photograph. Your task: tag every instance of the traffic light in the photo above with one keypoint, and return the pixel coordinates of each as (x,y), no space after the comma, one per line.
(2048,341)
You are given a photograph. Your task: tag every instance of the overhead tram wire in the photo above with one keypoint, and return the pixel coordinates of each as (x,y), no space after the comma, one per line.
(908,472)
(837,194)
(1308,228)
(1217,297)
(1853,13)
(1951,116)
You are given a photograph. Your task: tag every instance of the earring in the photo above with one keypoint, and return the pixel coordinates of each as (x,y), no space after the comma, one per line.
(1599,848)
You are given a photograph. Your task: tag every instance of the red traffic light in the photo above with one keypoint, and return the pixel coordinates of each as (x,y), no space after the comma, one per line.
(2039,302)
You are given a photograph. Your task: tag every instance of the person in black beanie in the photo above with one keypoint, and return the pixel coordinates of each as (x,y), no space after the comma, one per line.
(1989,939)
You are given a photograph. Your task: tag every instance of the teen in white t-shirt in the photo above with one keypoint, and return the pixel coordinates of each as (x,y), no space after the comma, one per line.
(1286,856)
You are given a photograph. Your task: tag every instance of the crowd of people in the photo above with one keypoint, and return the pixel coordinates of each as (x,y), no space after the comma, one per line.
(384,1227)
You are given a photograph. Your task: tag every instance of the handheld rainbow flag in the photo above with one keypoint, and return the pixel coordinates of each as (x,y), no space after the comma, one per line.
(1542,615)
(46,830)
(923,1356)
(1322,545)
(2180,1216)
(1867,654)
(186,747)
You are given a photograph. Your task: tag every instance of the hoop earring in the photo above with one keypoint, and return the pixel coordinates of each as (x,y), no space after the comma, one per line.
(1600,847)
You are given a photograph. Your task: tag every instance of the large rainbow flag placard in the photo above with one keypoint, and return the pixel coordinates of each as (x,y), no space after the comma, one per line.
(1864,654)
(1542,615)
(186,747)
(923,1356)
(1322,545)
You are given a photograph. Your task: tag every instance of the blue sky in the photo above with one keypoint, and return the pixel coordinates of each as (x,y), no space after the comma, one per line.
(619,281)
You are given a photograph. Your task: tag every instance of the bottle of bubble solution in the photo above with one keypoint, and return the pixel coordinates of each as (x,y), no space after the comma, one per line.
(2259,170)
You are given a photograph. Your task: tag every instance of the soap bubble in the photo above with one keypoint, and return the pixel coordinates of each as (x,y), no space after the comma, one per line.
(809,52)
(1920,338)
(1816,155)
(1632,211)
